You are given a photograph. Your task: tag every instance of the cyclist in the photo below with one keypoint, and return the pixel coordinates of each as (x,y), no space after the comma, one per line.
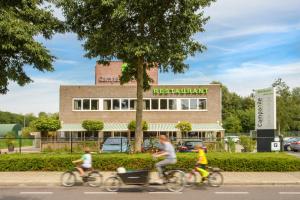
(202,162)
(168,152)
(85,162)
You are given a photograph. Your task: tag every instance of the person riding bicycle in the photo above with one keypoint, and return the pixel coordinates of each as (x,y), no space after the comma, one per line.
(202,162)
(85,162)
(168,152)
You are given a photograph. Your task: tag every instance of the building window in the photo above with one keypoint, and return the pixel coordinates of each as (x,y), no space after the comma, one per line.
(94,104)
(116,104)
(132,104)
(146,104)
(77,104)
(154,104)
(184,104)
(193,104)
(86,104)
(124,104)
(202,104)
(106,104)
(163,104)
(172,104)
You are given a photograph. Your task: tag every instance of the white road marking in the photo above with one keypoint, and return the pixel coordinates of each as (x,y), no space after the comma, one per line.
(100,193)
(165,192)
(37,193)
(231,192)
(289,192)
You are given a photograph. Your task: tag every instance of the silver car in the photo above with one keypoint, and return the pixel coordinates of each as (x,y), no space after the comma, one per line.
(295,145)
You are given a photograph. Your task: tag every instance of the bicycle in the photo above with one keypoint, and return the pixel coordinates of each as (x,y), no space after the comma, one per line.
(214,179)
(173,180)
(93,178)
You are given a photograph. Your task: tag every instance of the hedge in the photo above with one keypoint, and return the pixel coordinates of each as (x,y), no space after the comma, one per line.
(239,162)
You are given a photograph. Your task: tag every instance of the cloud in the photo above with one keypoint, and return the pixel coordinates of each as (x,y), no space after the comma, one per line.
(244,78)
(234,18)
(63,61)
(41,95)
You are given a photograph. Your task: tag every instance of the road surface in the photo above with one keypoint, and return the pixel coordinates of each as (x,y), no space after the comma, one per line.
(153,193)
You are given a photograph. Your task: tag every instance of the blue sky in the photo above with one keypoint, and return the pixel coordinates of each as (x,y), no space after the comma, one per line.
(250,44)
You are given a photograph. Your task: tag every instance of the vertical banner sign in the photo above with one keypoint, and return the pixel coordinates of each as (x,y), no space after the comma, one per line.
(265,109)
(265,118)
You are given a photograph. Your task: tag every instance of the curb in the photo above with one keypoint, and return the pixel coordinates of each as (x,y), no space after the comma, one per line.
(57,184)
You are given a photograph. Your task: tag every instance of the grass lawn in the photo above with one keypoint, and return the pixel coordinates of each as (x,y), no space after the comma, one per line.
(25,143)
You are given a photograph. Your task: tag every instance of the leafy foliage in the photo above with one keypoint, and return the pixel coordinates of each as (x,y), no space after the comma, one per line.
(20,22)
(12,118)
(247,143)
(92,125)
(9,138)
(110,162)
(46,124)
(184,127)
(132,125)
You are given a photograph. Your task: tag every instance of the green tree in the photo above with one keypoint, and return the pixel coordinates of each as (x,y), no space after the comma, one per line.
(284,118)
(232,124)
(46,124)
(92,125)
(247,118)
(20,22)
(132,125)
(184,127)
(143,34)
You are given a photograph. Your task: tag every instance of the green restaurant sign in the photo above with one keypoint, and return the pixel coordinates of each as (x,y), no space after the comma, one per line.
(181,91)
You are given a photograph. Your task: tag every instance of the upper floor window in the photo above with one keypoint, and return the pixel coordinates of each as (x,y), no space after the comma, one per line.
(123,104)
(94,104)
(86,104)
(77,104)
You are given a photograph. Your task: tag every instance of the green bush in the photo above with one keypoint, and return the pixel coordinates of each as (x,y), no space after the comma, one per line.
(109,162)
(248,143)
(132,125)
(231,145)
(184,127)
(91,125)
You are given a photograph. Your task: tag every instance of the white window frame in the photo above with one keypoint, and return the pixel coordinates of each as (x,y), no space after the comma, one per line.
(101,105)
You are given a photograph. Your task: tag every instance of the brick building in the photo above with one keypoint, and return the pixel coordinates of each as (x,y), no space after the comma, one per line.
(164,106)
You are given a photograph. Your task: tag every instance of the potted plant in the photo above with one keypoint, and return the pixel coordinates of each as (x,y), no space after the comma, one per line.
(9,139)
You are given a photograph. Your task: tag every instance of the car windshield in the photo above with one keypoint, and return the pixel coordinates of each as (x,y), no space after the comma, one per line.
(193,143)
(115,141)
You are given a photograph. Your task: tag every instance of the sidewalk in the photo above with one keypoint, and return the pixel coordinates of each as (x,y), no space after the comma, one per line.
(230,178)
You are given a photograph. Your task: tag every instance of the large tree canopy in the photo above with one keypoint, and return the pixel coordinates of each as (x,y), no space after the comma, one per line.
(20,22)
(142,33)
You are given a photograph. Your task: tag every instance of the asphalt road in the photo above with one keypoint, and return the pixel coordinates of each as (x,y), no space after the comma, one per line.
(222,193)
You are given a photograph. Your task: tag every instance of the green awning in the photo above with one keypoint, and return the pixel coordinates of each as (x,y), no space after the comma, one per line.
(153,127)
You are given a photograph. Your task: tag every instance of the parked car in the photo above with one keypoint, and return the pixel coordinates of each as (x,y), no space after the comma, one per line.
(151,145)
(188,146)
(234,138)
(295,144)
(115,144)
(287,143)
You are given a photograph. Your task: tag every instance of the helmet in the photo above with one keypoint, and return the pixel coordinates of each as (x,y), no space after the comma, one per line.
(121,170)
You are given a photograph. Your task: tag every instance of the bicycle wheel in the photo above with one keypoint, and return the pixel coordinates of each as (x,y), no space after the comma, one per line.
(112,184)
(215,179)
(175,180)
(68,179)
(95,179)
(190,179)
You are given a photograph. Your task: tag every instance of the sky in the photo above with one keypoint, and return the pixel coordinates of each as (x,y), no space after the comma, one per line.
(249,45)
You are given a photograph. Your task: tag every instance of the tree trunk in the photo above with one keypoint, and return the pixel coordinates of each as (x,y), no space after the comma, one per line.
(139,107)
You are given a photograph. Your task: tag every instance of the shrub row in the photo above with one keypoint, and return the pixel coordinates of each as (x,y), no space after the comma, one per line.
(109,162)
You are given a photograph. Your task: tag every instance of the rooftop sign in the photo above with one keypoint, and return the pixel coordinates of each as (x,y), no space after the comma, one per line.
(181,91)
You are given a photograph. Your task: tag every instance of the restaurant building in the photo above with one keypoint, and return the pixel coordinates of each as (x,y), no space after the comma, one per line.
(164,106)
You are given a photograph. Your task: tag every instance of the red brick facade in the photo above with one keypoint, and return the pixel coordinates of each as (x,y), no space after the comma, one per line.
(109,74)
